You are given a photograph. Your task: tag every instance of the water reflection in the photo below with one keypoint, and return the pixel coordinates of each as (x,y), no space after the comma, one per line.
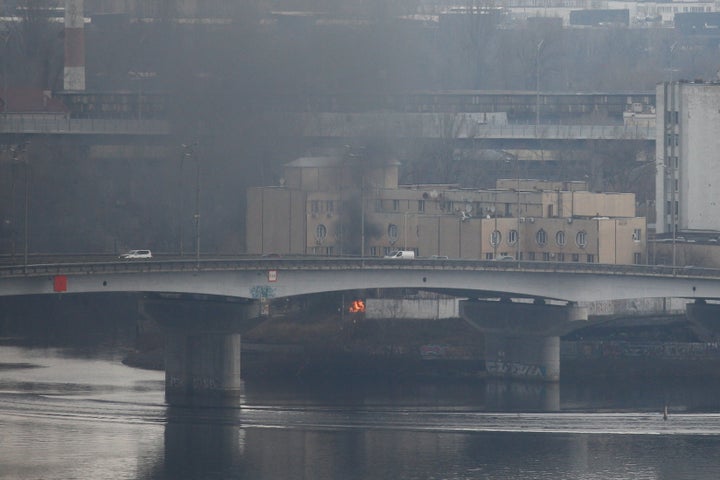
(85,418)
(515,396)
(198,441)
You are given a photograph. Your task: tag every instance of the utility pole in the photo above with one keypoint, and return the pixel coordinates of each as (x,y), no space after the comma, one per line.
(405,216)
(362,216)
(197,211)
(189,151)
(537,87)
(21,150)
(517,208)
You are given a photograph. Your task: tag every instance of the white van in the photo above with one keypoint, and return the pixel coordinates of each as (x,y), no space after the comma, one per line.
(401,254)
(133,254)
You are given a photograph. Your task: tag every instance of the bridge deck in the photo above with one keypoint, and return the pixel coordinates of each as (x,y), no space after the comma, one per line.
(345,263)
(256,278)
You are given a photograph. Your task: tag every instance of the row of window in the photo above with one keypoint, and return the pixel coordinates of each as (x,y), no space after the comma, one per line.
(541,236)
(531,256)
(396,205)
(319,206)
(547,257)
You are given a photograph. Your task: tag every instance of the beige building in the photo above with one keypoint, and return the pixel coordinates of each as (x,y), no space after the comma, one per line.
(320,207)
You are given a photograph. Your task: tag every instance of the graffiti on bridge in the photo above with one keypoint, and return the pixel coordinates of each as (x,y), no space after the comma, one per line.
(262,291)
(513,369)
(660,350)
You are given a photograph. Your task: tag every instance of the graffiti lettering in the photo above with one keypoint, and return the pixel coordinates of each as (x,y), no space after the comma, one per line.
(513,369)
(262,291)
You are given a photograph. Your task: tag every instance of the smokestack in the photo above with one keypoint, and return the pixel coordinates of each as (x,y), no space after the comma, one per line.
(74,45)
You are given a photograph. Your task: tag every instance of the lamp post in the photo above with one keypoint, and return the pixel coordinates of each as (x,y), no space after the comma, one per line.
(673,214)
(537,86)
(27,212)
(16,153)
(405,216)
(517,209)
(362,216)
(197,211)
(181,203)
(190,152)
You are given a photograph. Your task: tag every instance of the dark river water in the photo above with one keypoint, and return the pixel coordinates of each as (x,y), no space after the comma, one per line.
(70,416)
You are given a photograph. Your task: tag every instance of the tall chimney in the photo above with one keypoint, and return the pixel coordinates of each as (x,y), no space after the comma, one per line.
(74,45)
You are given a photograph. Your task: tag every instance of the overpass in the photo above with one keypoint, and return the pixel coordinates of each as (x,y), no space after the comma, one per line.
(463,126)
(203,306)
(267,278)
(60,124)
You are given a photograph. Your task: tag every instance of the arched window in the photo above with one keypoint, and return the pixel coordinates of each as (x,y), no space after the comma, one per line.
(495,238)
(392,232)
(560,238)
(512,237)
(581,239)
(541,237)
(320,232)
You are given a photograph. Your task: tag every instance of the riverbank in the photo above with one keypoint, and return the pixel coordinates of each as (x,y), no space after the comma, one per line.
(327,346)
(320,342)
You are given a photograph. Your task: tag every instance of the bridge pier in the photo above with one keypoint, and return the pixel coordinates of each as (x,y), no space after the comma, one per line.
(522,340)
(202,347)
(705,319)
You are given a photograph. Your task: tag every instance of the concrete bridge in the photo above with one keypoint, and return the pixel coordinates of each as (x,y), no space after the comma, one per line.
(458,126)
(204,306)
(256,279)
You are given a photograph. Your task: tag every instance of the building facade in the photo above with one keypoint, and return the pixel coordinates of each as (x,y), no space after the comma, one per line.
(328,206)
(687,182)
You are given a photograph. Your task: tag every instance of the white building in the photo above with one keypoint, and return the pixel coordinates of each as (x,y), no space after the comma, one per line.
(688,156)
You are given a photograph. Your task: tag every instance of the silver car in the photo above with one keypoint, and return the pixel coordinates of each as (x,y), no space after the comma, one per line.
(134,254)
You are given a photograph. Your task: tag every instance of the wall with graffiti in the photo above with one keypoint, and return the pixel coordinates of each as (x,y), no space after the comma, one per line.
(658,350)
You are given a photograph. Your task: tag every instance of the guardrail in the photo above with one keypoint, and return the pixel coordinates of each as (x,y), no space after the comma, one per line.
(344,263)
(61,124)
(460,126)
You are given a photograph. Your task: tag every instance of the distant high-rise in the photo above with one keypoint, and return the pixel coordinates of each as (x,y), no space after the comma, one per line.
(74,78)
(688,156)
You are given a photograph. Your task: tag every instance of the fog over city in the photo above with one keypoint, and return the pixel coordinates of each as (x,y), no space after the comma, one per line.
(359,239)
(226,74)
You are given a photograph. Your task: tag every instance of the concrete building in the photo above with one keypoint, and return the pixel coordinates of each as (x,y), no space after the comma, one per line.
(328,206)
(687,182)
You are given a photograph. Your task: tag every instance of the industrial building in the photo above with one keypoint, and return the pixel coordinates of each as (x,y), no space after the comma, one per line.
(331,206)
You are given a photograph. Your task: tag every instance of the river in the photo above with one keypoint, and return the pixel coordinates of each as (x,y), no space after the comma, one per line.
(69,415)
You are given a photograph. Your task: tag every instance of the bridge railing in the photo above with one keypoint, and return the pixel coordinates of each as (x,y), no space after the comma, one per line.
(459,126)
(341,263)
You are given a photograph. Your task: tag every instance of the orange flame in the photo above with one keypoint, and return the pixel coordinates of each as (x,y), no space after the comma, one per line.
(357,306)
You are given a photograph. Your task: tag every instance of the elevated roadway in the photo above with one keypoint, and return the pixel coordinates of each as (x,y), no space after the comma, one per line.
(203,335)
(458,126)
(266,278)
(51,124)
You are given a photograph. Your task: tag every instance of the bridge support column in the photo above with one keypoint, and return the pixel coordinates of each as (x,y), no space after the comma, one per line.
(205,365)
(202,347)
(522,340)
(522,356)
(705,319)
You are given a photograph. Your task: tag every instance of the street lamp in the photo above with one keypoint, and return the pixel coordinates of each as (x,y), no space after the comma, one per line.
(181,203)
(517,208)
(197,212)
(405,215)
(16,153)
(537,86)
(190,152)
